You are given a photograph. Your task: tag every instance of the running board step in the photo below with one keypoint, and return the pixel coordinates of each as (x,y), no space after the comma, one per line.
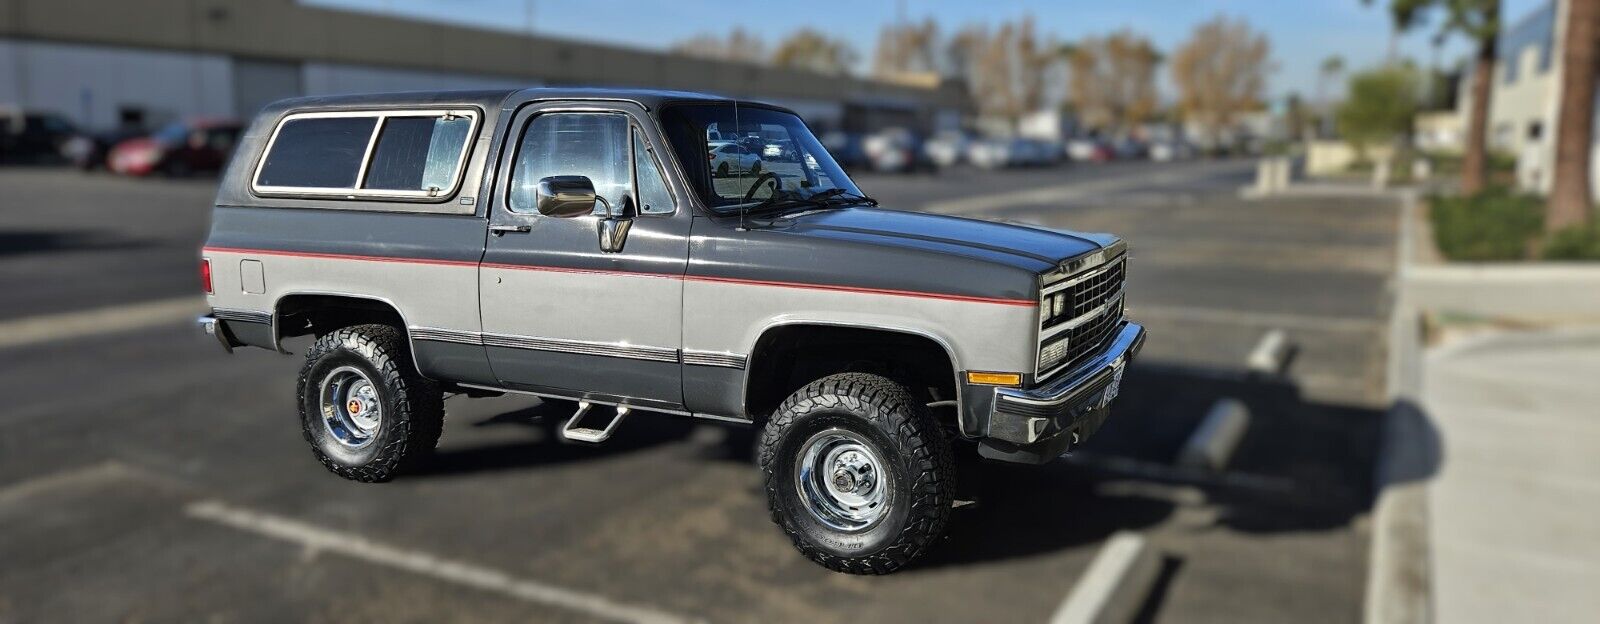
(572,431)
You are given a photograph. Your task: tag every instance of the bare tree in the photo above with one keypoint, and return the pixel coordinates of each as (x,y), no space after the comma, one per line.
(907,48)
(1220,72)
(1478,20)
(1571,199)
(811,50)
(1113,79)
(738,45)
(1008,69)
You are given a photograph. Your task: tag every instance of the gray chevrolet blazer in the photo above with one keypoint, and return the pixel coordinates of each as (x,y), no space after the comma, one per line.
(658,252)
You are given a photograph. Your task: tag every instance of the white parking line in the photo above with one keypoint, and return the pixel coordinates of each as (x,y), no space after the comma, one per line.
(1116,584)
(465,574)
(48,327)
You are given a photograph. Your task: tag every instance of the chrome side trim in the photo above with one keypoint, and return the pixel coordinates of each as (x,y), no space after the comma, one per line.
(446,335)
(582,347)
(556,345)
(713,358)
(243,316)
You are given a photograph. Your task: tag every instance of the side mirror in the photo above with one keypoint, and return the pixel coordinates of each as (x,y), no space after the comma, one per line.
(565,196)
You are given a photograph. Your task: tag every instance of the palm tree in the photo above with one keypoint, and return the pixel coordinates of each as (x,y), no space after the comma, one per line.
(1478,20)
(1571,199)
(1327,74)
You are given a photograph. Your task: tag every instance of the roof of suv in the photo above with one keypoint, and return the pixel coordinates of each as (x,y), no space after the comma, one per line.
(495,98)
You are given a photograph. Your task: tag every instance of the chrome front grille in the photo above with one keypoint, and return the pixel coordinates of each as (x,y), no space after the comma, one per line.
(1078,315)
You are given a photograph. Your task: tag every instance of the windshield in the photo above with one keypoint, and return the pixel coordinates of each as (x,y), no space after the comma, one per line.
(744,156)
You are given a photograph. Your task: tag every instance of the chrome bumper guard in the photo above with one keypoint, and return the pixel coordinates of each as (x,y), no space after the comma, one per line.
(1037,424)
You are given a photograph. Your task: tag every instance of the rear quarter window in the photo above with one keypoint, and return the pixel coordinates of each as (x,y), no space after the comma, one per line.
(318,152)
(404,155)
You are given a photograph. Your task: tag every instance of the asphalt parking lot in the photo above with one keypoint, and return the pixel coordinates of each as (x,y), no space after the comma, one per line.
(147,476)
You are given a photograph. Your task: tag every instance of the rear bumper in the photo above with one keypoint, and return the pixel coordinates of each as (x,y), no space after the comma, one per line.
(219,328)
(1037,425)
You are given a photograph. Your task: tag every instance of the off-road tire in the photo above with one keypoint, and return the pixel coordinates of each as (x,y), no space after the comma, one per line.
(905,437)
(412,406)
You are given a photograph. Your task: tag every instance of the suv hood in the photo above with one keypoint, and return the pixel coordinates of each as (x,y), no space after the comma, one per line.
(1033,248)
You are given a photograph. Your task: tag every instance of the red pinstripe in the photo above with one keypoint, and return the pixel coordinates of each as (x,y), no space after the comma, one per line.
(694,278)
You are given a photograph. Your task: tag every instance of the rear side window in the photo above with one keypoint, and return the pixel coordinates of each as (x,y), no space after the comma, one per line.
(417,153)
(320,152)
(398,154)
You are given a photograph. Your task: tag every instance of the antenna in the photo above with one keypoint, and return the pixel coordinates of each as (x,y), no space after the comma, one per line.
(743,205)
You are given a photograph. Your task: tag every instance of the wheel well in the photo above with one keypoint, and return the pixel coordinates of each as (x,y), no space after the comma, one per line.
(788,357)
(299,315)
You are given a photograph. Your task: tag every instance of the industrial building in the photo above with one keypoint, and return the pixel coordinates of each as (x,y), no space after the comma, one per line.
(104,64)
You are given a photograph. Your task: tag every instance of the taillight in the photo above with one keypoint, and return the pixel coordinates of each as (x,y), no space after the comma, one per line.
(711,156)
(205,274)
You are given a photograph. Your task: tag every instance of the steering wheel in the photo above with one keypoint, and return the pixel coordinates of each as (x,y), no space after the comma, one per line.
(777,185)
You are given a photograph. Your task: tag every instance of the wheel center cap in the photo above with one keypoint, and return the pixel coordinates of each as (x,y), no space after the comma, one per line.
(844,481)
(354,406)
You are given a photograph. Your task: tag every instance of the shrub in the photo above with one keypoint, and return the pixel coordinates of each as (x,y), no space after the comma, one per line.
(1493,225)
(1574,243)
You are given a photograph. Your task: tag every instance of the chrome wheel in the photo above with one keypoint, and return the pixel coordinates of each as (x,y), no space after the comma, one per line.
(842,481)
(351,411)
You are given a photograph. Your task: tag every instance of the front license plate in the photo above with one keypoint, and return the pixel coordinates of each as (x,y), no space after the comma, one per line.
(1115,386)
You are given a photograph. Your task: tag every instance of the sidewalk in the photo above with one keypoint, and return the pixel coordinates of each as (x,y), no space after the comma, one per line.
(1514,509)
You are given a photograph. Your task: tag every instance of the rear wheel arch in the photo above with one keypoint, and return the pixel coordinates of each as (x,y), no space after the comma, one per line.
(787,356)
(316,313)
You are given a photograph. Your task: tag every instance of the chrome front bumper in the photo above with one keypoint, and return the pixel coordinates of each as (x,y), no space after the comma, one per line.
(1036,425)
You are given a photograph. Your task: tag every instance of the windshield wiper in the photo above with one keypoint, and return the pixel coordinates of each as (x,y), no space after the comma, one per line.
(834,197)
(836,194)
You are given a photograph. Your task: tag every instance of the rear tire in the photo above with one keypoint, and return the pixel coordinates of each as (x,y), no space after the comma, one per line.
(857,473)
(364,408)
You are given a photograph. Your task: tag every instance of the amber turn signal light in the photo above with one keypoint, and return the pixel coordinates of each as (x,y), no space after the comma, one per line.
(994,379)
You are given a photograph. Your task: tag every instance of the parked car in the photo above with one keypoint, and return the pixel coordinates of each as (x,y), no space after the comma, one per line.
(578,266)
(728,158)
(992,154)
(846,149)
(179,149)
(1085,149)
(1166,151)
(32,136)
(89,150)
(896,150)
(947,149)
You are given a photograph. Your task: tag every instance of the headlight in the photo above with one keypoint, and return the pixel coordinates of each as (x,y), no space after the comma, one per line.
(1061,304)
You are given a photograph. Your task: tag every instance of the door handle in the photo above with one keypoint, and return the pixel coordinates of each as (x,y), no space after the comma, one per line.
(498,230)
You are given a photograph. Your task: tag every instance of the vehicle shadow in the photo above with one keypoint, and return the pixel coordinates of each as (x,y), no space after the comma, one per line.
(1300,466)
(545,446)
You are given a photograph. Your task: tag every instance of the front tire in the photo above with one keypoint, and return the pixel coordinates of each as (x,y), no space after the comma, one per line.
(364,408)
(857,473)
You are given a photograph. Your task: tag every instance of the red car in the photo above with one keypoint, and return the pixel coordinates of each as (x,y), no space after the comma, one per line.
(179,149)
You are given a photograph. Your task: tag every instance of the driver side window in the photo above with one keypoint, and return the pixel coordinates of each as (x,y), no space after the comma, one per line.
(594,145)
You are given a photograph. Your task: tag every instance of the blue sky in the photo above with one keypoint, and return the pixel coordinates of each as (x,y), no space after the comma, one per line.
(1302,32)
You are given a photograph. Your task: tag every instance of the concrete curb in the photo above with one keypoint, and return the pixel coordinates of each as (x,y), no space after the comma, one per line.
(1116,584)
(1399,575)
